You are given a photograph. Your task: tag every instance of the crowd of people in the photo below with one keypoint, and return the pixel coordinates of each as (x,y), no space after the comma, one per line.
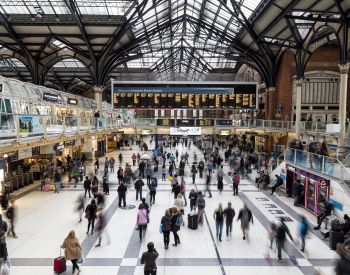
(216,163)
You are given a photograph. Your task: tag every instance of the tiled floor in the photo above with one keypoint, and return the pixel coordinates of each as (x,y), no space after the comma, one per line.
(44,220)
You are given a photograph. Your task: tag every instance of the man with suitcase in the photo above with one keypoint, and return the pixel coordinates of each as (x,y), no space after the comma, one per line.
(201,206)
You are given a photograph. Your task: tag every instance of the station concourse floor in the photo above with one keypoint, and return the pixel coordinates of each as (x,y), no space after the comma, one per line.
(45,219)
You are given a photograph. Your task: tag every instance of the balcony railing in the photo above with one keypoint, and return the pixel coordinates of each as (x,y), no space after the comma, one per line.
(324,165)
(23,126)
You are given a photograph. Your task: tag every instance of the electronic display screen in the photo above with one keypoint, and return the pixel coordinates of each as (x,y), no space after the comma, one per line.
(232,96)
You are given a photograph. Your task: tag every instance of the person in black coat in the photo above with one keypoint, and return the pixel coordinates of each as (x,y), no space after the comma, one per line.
(87,187)
(90,215)
(343,264)
(193,199)
(122,194)
(327,210)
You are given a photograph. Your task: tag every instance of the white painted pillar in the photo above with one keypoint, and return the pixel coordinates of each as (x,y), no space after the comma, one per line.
(98,98)
(344,71)
(298,84)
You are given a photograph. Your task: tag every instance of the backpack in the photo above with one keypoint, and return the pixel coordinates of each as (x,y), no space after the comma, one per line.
(179,220)
(201,203)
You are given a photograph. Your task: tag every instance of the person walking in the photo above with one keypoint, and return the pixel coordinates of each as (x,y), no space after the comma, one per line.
(87,186)
(229,214)
(11,215)
(120,175)
(166,228)
(176,222)
(201,207)
(245,215)
(80,207)
(111,164)
(281,233)
(3,251)
(278,183)
(120,157)
(220,179)
(101,224)
(153,190)
(193,199)
(207,184)
(122,194)
(142,220)
(133,158)
(72,250)
(163,173)
(342,266)
(90,215)
(57,181)
(303,231)
(193,173)
(149,258)
(148,174)
(138,187)
(183,189)
(219,221)
(236,181)
(179,203)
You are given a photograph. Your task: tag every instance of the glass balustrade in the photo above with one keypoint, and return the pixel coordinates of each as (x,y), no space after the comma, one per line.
(318,163)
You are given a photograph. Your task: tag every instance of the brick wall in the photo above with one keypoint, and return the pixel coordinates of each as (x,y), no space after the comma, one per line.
(326,58)
(284,85)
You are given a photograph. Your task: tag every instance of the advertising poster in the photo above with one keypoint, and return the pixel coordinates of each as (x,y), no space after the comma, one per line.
(30,125)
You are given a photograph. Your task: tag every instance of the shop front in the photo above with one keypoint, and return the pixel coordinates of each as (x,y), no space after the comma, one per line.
(315,189)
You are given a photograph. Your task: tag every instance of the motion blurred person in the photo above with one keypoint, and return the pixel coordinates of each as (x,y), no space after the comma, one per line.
(303,231)
(281,233)
(11,215)
(101,224)
(90,215)
(219,221)
(80,207)
(245,215)
(229,214)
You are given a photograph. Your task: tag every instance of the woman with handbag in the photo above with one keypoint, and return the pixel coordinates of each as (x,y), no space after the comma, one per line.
(90,215)
(72,251)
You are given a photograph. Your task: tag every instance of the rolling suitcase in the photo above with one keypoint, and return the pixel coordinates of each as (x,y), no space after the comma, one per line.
(335,238)
(193,221)
(59,265)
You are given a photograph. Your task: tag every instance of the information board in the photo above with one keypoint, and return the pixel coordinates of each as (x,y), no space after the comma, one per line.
(193,96)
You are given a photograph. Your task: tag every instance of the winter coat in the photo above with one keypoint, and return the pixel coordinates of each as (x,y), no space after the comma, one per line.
(142,217)
(72,248)
(166,223)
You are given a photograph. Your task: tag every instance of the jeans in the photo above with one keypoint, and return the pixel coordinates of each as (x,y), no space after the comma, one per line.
(133,162)
(57,187)
(11,228)
(137,194)
(302,242)
(163,177)
(75,264)
(176,237)
(149,272)
(153,197)
(219,226)
(200,216)
(228,227)
(166,237)
(87,190)
(142,227)
(148,179)
(320,218)
(91,222)
(184,197)
(122,199)
(280,245)
(235,190)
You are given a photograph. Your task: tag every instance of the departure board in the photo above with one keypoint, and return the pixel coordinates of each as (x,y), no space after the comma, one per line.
(201,95)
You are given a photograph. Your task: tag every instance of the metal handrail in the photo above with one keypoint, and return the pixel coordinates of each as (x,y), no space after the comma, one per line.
(327,166)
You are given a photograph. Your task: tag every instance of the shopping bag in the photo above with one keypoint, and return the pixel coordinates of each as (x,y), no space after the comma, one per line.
(53,187)
(170,178)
